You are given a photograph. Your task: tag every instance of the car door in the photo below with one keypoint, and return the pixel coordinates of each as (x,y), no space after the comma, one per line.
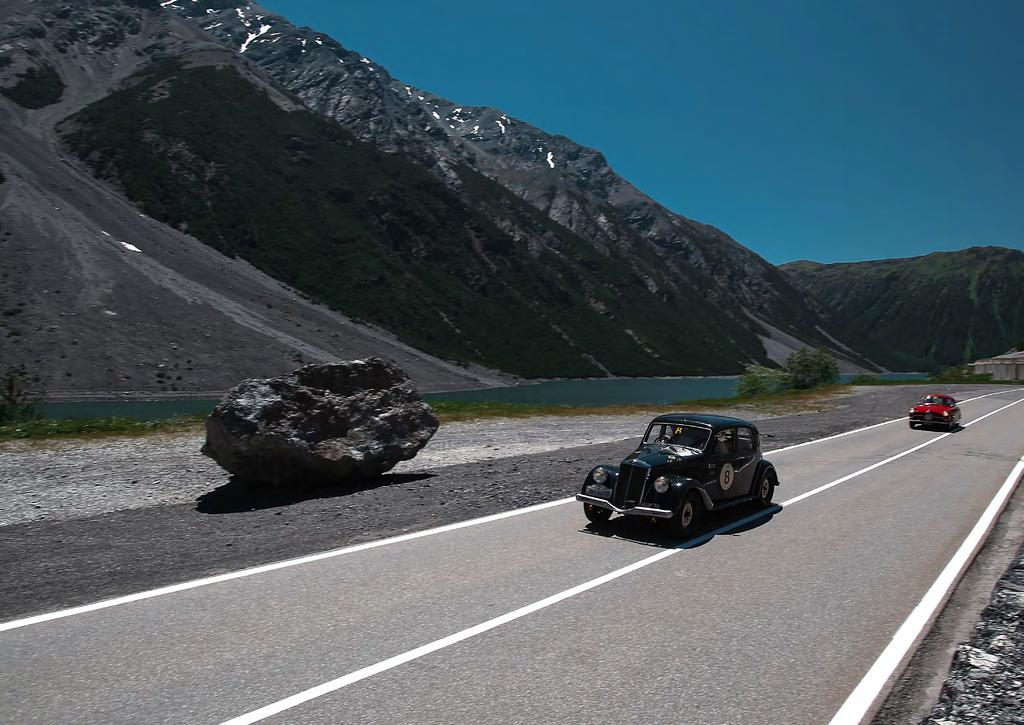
(745,462)
(720,465)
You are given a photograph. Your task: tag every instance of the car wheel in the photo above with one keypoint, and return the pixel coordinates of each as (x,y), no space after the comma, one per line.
(687,520)
(766,489)
(596,514)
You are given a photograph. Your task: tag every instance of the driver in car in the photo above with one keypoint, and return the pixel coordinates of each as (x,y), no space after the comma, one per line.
(682,436)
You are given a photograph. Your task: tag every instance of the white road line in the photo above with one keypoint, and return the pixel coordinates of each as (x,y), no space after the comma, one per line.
(195,583)
(866,693)
(890,459)
(392,662)
(251,571)
(400,659)
(869,427)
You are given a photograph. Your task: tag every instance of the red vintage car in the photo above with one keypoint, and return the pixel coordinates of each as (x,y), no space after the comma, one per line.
(935,409)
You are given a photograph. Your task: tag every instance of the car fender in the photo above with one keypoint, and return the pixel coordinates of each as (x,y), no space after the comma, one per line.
(613,476)
(763,467)
(679,487)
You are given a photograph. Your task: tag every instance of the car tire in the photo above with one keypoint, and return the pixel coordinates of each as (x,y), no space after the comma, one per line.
(690,516)
(766,487)
(596,514)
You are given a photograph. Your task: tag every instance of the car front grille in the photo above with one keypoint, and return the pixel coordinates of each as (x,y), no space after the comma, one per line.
(630,485)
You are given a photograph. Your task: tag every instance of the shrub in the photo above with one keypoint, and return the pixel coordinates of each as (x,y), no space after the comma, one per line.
(16,404)
(811,368)
(759,380)
(960,374)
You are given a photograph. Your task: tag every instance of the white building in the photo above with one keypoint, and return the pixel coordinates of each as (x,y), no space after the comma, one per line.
(1003,367)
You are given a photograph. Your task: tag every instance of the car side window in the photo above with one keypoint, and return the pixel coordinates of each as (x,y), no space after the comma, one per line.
(725,442)
(744,442)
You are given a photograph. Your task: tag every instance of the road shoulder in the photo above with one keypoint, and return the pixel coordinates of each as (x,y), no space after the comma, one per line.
(932,686)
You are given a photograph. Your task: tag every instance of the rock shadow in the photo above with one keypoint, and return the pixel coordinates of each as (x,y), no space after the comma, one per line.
(639,530)
(239,496)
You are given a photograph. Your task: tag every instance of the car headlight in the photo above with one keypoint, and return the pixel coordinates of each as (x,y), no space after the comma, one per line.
(661,484)
(599,475)
(945,412)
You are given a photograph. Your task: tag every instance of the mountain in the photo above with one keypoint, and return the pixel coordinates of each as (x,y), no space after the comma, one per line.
(927,312)
(307,168)
(759,314)
(96,295)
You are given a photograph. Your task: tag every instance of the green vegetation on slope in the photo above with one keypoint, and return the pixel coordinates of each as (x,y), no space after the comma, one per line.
(927,312)
(382,240)
(36,88)
(804,369)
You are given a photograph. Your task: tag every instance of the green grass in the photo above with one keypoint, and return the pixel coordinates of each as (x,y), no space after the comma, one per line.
(947,377)
(51,428)
(791,400)
(447,412)
(872,380)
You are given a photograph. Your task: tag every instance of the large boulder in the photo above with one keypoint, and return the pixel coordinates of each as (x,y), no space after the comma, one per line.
(320,424)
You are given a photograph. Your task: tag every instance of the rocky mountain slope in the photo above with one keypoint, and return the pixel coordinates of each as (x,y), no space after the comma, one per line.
(94,294)
(521,251)
(570,184)
(924,312)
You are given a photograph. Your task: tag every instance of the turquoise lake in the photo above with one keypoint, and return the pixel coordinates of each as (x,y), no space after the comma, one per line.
(645,391)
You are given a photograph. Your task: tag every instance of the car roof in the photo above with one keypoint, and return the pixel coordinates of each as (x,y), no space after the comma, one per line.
(715,422)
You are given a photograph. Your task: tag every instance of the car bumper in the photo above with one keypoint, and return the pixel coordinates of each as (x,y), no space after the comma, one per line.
(635,511)
(934,419)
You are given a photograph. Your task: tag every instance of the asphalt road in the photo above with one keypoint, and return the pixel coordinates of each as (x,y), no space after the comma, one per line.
(537,618)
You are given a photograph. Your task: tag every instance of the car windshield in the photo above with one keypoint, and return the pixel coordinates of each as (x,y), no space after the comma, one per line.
(676,434)
(936,400)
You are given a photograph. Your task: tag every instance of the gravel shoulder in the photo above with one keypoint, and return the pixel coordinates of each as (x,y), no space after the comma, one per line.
(970,666)
(986,681)
(127,515)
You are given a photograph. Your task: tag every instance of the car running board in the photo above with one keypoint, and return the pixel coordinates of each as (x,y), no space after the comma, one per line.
(711,506)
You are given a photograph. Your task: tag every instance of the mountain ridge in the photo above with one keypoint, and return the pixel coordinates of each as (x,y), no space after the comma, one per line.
(81,311)
(928,311)
(570,183)
(622,301)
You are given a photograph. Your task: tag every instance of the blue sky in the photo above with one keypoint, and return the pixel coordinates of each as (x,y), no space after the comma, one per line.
(806,130)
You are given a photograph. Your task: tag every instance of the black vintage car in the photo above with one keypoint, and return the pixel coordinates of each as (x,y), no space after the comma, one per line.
(685,465)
